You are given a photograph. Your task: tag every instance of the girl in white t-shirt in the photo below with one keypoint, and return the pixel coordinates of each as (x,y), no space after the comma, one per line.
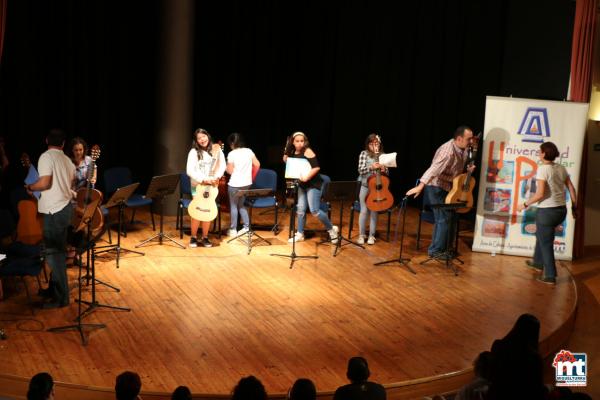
(240,162)
(551,181)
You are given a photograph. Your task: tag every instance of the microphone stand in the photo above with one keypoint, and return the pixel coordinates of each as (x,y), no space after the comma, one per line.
(400,259)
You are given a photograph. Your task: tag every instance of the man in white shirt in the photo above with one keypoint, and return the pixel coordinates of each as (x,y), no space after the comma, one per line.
(56,175)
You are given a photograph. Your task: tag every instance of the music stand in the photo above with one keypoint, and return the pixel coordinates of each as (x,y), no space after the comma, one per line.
(400,259)
(119,198)
(88,213)
(252,194)
(342,191)
(449,255)
(160,187)
(293,186)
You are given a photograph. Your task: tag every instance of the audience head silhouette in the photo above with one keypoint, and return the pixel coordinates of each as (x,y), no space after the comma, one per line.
(358,369)
(249,388)
(182,393)
(128,386)
(41,387)
(303,389)
(525,333)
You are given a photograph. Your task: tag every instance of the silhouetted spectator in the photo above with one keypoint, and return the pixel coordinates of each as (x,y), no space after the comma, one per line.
(249,388)
(182,393)
(41,387)
(359,388)
(477,389)
(128,386)
(303,389)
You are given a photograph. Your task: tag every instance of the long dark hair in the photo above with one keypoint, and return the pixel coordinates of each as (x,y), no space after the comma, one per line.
(40,386)
(369,139)
(198,148)
(236,141)
(72,143)
(289,147)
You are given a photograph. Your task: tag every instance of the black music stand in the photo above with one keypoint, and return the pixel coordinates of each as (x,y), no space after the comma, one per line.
(88,213)
(342,191)
(160,187)
(252,194)
(400,259)
(293,188)
(449,255)
(119,198)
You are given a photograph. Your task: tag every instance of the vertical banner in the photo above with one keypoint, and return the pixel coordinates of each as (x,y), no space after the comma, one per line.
(514,129)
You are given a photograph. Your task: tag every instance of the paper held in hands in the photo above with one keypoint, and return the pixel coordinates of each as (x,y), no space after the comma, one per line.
(388,160)
(295,168)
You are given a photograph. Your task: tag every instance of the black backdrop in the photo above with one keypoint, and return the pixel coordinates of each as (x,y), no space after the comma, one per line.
(337,70)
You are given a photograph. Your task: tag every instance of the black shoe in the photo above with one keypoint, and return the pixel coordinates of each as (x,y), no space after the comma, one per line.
(47,293)
(206,243)
(547,281)
(193,242)
(533,265)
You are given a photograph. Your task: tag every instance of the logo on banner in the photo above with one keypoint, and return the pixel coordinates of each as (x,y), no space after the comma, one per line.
(534,126)
(570,368)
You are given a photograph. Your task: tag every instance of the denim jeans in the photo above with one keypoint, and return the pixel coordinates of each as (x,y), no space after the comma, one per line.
(55,240)
(237,204)
(364,211)
(312,196)
(443,219)
(546,220)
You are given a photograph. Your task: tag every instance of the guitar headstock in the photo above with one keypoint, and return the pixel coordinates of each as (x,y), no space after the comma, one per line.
(475,142)
(95,152)
(25,160)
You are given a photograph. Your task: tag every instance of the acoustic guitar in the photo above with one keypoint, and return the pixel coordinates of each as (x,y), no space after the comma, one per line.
(463,184)
(87,195)
(29,226)
(203,206)
(379,197)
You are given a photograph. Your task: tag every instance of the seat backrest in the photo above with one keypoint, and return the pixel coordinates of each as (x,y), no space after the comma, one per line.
(324,204)
(185,185)
(265,179)
(115,178)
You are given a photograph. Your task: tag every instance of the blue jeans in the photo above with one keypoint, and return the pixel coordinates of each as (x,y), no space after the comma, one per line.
(443,219)
(546,220)
(364,211)
(312,196)
(237,204)
(55,240)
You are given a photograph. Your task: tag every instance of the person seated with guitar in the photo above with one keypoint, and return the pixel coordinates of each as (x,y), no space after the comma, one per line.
(448,162)
(309,187)
(77,151)
(240,163)
(56,175)
(205,166)
(368,163)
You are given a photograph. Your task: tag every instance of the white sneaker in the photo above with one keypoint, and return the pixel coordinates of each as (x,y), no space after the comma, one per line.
(232,233)
(242,231)
(333,234)
(361,239)
(299,237)
(371,240)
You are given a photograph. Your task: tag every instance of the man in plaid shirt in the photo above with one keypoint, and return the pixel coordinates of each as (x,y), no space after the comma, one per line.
(448,162)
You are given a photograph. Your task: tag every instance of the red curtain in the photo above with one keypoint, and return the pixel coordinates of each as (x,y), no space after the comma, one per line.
(2,25)
(581,80)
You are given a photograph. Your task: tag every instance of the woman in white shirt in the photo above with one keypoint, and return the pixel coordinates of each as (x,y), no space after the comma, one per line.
(205,165)
(551,181)
(240,162)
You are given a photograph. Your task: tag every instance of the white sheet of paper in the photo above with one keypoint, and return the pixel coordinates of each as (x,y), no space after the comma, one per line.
(296,168)
(388,160)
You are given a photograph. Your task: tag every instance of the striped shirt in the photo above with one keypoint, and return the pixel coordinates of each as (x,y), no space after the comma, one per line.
(448,162)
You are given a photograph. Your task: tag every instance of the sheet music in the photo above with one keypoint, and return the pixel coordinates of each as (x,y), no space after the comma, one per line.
(295,168)
(31,178)
(388,160)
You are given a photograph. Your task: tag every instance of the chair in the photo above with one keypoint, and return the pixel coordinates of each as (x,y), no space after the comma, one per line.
(185,198)
(117,177)
(325,205)
(107,223)
(22,260)
(265,179)
(355,207)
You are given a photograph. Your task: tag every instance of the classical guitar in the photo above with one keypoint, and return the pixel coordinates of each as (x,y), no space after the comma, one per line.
(203,207)
(29,226)
(463,184)
(87,195)
(379,198)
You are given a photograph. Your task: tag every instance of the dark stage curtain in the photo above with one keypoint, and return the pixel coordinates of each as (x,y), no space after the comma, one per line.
(2,25)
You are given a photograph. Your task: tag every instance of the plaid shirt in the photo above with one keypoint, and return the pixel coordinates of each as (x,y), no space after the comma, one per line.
(365,160)
(448,162)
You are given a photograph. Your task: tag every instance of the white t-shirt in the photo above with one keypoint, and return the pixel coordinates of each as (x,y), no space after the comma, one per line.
(55,163)
(555,176)
(242,167)
(202,169)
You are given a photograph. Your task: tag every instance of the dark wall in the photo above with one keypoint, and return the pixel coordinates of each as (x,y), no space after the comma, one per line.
(337,70)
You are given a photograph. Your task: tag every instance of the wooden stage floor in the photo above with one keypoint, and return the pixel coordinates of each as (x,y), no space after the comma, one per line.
(206,317)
